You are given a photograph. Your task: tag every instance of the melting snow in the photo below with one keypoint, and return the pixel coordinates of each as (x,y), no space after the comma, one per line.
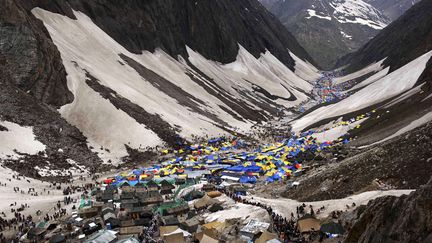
(312,13)
(375,67)
(371,79)
(287,206)
(239,210)
(387,87)
(345,35)
(304,69)
(84,46)
(336,132)
(19,138)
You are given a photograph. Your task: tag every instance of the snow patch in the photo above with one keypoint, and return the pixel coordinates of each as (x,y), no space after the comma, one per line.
(304,69)
(312,13)
(370,80)
(335,133)
(285,207)
(18,138)
(239,210)
(374,67)
(345,35)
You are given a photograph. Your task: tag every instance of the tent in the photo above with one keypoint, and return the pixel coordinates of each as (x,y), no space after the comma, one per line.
(248,179)
(308,223)
(332,228)
(105,236)
(215,208)
(129,240)
(266,236)
(165,185)
(195,194)
(58,238)
(174,238)
(207,239)
(214,194)
(204,202)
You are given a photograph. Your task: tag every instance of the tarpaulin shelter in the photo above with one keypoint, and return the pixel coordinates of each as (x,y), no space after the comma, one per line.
(205,202)
(248,179)
(105,236)
(215,208)
(58,238)
(266,236)
(194,194)
(332,228)
(308,223)
(214,194)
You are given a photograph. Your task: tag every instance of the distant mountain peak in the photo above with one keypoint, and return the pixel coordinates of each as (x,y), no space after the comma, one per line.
(329,29)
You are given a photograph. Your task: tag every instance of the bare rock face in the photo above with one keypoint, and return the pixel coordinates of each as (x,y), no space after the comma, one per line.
(32,57)
(392,219)
(212,28)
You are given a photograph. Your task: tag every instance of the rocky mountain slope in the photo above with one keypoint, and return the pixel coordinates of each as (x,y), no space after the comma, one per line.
(402,41)
(101,87)
(395,219)
(403,162)
(329,29)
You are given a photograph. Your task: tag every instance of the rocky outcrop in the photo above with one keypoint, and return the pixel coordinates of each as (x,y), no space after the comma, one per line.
(34,61)
(62,140)
(395,219)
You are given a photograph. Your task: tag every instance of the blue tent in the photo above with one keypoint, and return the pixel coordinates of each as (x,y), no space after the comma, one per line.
(237,168)
(137,172)
(253,168)
(248,179)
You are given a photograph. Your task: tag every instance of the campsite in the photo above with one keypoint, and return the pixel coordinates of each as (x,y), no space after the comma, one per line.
(215,121)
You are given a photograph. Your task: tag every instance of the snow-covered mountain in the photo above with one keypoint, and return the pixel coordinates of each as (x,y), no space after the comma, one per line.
(329,29)
(392,8)
(117,86)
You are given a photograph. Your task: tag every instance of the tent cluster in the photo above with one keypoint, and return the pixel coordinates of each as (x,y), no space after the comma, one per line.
(326,91)
(226,159)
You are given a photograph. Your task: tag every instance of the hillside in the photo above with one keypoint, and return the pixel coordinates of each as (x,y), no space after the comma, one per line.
(172,70)
(402,41)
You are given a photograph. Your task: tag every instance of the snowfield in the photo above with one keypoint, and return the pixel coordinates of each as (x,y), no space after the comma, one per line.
(374,67)
(304,69)
(285,206)
(391,85)
(19,138)
(87,50)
